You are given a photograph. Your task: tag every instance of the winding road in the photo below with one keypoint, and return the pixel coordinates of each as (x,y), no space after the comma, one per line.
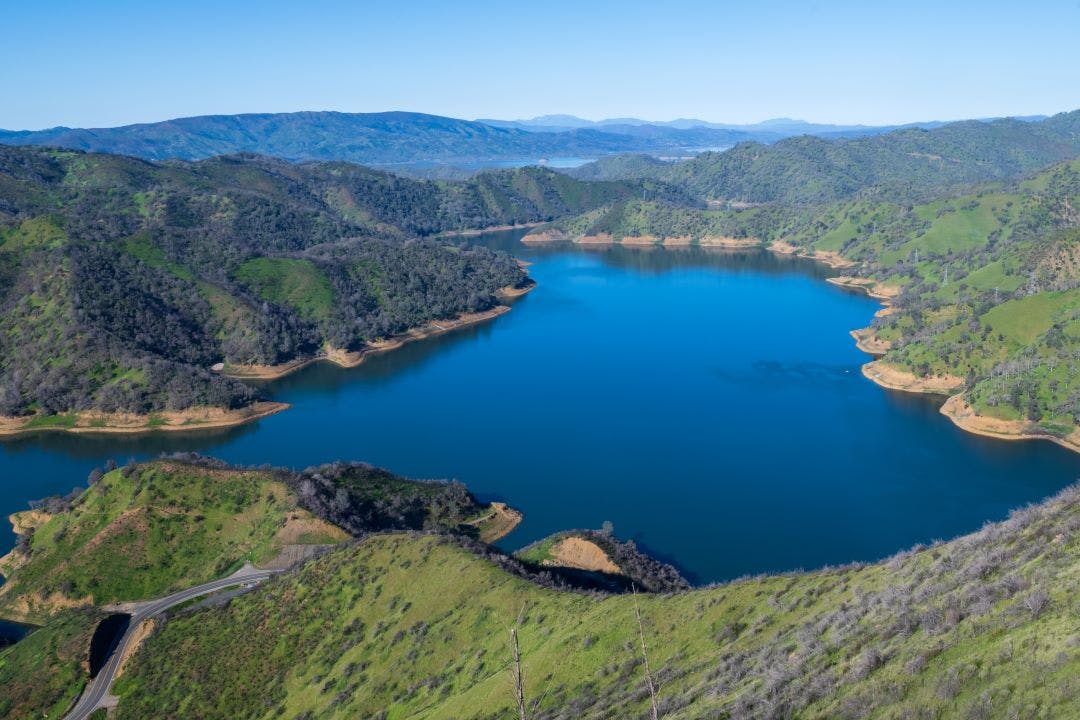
(97,692)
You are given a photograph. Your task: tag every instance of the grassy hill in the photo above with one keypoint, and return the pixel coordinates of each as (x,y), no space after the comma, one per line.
(988,282)
(44,674)
(416,627)
(145,530)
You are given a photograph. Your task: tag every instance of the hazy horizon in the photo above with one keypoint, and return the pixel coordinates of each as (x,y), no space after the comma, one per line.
(477,118)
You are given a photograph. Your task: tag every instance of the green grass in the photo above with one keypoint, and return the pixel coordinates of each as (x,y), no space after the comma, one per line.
(416,627)
(1022,321)
(967,225)
(162,527)
(538,552)
(39,233)
(143,247)
(296,283)
(42,674)
(995,275)
(66,420)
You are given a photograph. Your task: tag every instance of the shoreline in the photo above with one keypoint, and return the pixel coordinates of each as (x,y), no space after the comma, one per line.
(212,418)
(99,423)
(885,293)
(473,232)
(826,257)
(967,419)
(893,378)
(350,359)
(500,522)
(555,236)
(948,387)
(868,342)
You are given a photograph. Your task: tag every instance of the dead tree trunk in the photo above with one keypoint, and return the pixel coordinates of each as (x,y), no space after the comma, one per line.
(649,682)
(519,678)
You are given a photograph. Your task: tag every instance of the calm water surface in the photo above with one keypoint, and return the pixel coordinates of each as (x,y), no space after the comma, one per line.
(710,405)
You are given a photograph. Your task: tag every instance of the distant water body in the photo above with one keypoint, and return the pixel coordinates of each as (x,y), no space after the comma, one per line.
(709,404)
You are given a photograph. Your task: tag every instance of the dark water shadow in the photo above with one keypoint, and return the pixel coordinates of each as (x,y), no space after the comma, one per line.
(396,364)
(106,636)
(13,632)
(94,446)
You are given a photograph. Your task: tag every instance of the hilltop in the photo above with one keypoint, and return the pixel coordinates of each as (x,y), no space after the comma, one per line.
(145,530)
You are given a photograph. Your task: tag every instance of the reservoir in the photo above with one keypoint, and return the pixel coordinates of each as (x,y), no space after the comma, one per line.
(708,403)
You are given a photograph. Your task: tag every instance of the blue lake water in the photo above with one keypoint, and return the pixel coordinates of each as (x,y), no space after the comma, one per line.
(709,404)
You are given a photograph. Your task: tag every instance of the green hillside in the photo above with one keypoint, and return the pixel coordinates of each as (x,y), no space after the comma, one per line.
(44,673)
(417,627)
(145,530)
(906,162)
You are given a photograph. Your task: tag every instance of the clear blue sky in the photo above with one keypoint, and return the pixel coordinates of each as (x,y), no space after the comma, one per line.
(86,63)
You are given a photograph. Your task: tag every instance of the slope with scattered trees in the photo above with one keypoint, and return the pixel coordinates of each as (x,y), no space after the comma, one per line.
(125,281)
(414,626)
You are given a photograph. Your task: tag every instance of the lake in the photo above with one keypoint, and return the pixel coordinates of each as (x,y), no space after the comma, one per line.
(709,404)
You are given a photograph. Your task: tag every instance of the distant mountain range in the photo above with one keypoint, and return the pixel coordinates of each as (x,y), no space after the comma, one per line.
(415,141)
(765,131)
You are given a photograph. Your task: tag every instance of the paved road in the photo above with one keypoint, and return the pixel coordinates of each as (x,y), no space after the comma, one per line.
(98,690)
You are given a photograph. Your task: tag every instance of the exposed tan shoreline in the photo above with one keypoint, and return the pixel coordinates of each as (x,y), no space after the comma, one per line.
(545,236)
(957,409)
(553,235)
(499,523)
(893,378)
(350,359)
(885,293)
(867,341)
(201,418)
(827,257)
(581,554)
(965,418)
(473,232)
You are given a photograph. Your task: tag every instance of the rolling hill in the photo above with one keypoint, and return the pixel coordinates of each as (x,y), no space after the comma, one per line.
(908,162)
(126,281)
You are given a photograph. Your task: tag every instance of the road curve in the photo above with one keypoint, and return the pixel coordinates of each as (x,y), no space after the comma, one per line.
(98,689)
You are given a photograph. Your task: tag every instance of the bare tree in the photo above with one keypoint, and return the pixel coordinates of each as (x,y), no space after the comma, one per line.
(649,682)
(519,677)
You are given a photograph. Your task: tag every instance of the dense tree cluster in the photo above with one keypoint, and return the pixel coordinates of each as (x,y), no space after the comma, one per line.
(125,281)
(361,499)
(641,571)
